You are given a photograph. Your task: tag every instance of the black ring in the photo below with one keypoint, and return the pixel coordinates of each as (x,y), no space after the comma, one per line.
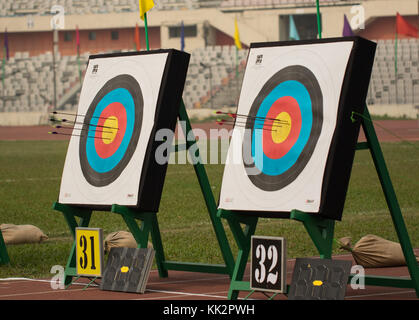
(308,79)
(99,179)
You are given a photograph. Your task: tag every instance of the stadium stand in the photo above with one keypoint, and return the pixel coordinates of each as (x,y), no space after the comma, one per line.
(29,80)
(275,3)
(76,7)
(28,83)
(384,89)
(210,81)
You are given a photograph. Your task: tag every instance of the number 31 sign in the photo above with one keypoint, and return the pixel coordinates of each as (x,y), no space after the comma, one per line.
(268,264)
(89,252)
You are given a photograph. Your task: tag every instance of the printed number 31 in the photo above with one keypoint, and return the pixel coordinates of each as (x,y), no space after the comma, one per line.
(84,259)
(260,273)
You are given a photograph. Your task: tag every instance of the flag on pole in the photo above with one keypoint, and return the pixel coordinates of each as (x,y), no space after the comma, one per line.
(237,35)
(347,30)
(77,38)
(78,51)
(145,5)
(182,37)
(137,38)
(6,45)
(5,57)
(293,35)
(405,28)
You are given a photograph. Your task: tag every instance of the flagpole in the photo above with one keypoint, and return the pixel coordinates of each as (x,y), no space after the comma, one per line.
(78,53)
(319,22)
(146,32)
(395,65)
(3,70)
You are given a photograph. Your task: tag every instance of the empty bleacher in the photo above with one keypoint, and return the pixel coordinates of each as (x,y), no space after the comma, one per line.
(211,69)
(82,7)
(275,3)
(211,79)
(28,83)
(384,87)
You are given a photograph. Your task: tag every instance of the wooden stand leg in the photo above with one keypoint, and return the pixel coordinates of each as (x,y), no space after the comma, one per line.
(149,226)
(390,195)
(70,213)
(4,256)
(243,240)
(320,230)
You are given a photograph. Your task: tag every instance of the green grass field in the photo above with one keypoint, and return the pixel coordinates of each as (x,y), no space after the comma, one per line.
(30,173)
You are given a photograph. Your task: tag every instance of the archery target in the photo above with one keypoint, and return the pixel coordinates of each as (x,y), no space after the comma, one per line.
(119,111)
(289,98)
(114,119)
(291,104)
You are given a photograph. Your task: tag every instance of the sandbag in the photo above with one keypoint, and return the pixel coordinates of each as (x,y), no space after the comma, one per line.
(21,234)
(120,239)
(372,251)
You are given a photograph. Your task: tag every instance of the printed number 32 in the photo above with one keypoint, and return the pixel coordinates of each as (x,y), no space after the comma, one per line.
(260,273)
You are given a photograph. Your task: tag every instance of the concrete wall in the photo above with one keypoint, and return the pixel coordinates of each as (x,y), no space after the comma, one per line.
(23,118)
(399,111)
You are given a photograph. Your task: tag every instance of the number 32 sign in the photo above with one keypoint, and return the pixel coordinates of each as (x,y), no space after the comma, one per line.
(89,252)
(268,264)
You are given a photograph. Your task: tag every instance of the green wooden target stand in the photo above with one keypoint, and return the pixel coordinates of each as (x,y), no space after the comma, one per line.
(321,230)
(143,225)
(4,256)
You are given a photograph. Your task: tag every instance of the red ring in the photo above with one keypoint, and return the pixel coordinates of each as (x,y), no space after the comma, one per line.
(275,150)
(117,110)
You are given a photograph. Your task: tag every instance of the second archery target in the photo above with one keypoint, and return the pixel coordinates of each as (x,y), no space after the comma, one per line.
(293,141)
(125,99)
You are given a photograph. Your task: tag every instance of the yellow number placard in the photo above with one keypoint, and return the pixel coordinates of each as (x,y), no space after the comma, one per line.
(89,252)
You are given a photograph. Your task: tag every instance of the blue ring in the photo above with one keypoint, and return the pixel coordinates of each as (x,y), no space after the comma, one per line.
(97,163)
(274,167)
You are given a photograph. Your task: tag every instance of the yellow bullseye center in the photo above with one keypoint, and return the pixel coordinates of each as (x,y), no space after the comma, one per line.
(110,129)
(281,129)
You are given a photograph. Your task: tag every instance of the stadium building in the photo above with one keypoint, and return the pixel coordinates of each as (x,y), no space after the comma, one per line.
(43,68)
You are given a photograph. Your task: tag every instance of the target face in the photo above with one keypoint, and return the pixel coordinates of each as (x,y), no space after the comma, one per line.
(114,119)
(291,106)
(125,99)
(289,121)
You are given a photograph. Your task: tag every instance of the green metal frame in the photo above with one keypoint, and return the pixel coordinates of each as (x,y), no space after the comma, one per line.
(321,230)
(4,256)
(70,213)
(145,224)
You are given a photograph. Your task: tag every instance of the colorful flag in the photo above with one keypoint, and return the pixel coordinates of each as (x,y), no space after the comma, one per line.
(237,35)
(182,37)
(137,38)
(5,56)
(77,37)
(6,45)
(405,28)
(145,5)
(293,30)
(78,51)
(347,30)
